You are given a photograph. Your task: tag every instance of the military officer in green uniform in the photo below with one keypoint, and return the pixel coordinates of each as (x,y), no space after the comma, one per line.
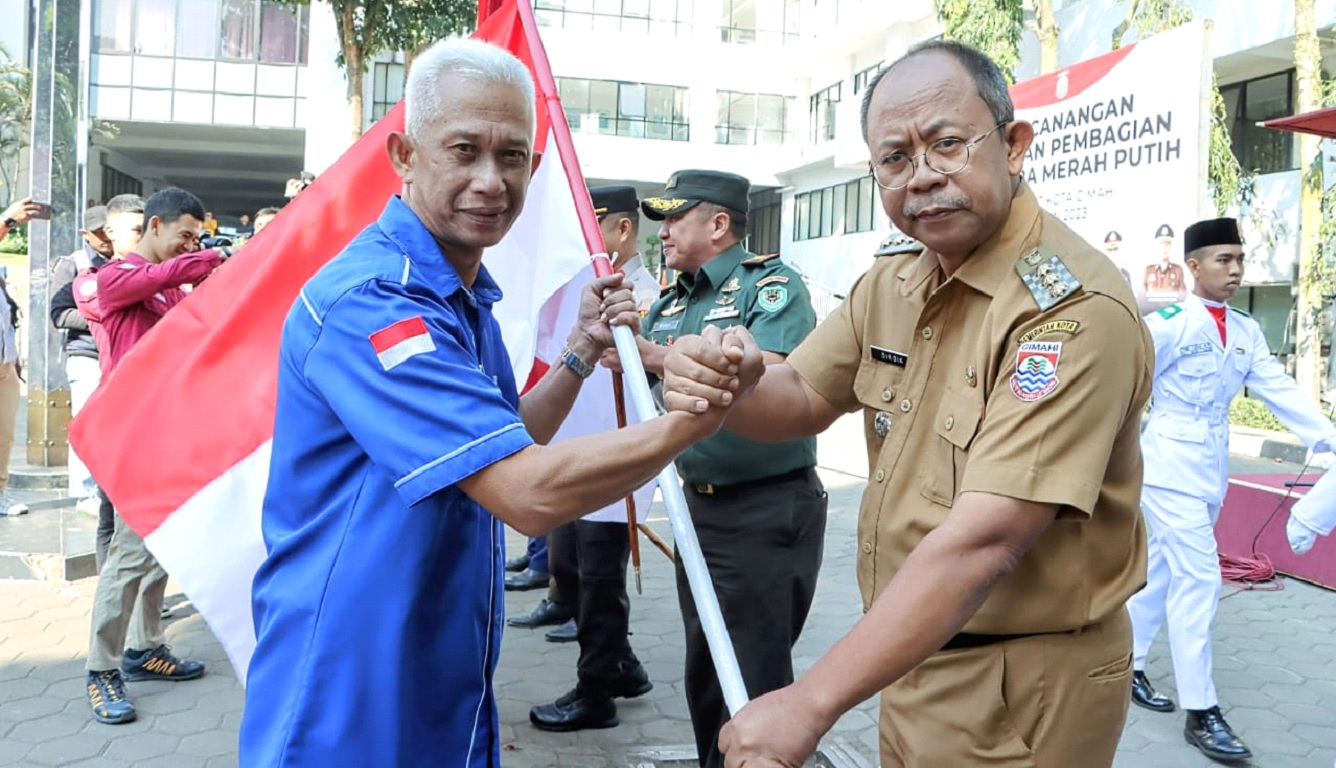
(758,508)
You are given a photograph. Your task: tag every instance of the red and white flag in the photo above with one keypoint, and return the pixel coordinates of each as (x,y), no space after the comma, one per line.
(179,436)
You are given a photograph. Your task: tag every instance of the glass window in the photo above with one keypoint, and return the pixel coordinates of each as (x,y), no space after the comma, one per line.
(822,113)
(238,29)
(155,28)
(195,38)
(764,21)
(666,17)
(387,88)
(278,33)
(748,118)
(637,110)
(863,77)
(111,26)
(1246,104)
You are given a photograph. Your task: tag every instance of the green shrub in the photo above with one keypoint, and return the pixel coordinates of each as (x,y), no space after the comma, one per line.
(15,242)
(1251,412)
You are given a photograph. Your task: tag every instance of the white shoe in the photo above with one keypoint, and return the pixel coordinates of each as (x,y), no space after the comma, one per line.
(9,508)
(89,505)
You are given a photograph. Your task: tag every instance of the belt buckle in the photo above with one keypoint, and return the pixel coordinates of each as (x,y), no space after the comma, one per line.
(705,489)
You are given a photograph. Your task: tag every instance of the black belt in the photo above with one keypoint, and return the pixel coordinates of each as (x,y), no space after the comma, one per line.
(971,640)
(713,489)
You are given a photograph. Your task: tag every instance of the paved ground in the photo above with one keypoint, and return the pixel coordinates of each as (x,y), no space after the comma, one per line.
(1275,660)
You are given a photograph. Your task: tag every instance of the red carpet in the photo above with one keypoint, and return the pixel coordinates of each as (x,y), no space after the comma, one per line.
(1249,507)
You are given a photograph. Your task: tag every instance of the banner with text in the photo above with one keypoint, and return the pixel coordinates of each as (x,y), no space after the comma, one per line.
(1118,154)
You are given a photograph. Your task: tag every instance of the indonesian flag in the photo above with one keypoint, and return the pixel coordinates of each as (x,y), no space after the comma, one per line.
(179,436)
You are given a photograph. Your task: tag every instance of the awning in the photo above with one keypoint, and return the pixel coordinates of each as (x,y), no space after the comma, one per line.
(1321,123)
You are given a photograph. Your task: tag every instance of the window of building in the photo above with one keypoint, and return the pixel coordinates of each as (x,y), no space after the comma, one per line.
(236,30)
(387,88)
(116,183)
(759,21)
(1259,149)
(637,110)
(751,118)
(763,228)
(822,113)
(864,76)
(112,23)
(842,209)
(651,17)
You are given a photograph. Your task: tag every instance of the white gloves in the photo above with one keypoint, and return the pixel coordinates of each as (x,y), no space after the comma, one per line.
(1300,535)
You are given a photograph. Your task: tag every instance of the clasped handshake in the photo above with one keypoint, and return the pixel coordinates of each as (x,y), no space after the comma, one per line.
(712,370)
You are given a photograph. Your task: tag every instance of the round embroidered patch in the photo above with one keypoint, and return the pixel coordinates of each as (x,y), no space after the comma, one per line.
(772,298)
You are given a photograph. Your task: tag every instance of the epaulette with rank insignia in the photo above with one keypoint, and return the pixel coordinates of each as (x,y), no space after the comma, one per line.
(1170,311)
(1046,276)
(758,260)
(898,243)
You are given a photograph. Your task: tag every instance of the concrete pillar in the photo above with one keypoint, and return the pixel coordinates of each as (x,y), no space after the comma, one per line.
(56,138)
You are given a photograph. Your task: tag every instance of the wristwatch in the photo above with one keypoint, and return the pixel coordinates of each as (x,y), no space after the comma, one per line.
(11,223)
(571,360)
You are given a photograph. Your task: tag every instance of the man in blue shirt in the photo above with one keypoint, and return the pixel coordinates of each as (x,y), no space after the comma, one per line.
(401,445)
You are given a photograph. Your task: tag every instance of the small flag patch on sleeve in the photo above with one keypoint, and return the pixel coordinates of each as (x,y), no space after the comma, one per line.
(399,342)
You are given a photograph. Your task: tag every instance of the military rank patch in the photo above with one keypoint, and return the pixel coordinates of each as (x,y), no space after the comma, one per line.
(772,279)
(1036,373)
(772,298)
(1046,276)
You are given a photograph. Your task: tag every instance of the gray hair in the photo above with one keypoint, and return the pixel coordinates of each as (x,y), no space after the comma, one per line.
(473,59)
(988,79)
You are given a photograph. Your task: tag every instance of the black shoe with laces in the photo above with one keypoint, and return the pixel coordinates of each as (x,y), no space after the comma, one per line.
(1207,730)
(158,664)
(106,696)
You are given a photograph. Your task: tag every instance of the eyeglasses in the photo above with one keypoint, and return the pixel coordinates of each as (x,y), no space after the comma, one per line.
(945,156)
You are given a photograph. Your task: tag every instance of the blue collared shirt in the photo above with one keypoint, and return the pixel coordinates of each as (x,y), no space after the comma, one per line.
(378,610)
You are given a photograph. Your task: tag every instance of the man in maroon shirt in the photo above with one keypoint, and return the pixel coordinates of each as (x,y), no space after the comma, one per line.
(122,301)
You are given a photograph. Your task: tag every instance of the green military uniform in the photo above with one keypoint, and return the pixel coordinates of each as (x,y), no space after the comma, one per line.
(769,298)
(758,508)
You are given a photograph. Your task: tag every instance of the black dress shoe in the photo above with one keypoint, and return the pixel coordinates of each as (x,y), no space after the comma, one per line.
(1207,730)
(575,711)
(566,633)
(517,564)
(1145,695)
(633,682)
(547,612)
(527,579)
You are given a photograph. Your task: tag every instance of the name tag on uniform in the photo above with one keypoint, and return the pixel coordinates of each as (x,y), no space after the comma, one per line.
(722,313)
(1194,349)
(898,359)
(666,325)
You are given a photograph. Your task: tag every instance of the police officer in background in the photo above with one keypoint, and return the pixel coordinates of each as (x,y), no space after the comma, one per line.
(1112,242)
(1164,281)
(588,556)
(1205,352)
(758,508)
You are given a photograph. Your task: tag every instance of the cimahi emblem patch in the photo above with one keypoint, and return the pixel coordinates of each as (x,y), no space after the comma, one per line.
(1036,373)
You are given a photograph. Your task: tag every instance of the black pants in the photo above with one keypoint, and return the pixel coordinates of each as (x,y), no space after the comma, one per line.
(593,575)
(106,526)
(762,544)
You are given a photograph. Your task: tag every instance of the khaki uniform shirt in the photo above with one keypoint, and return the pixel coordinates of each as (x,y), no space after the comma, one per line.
(769,298)
(968,385)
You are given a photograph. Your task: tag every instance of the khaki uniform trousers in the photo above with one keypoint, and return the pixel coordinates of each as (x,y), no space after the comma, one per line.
(9,414)
(1045,701)
(128,601)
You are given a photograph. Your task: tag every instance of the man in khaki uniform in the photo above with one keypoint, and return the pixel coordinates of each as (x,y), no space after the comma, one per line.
(1001,372)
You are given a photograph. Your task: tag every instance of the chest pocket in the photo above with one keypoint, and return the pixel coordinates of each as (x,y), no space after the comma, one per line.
(1199,377)
(953,430)
(875,387)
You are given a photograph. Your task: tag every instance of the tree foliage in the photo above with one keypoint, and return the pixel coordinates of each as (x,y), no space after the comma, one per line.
(992,26)
(15,120)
